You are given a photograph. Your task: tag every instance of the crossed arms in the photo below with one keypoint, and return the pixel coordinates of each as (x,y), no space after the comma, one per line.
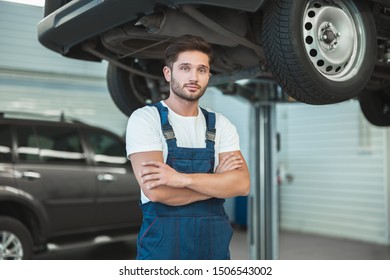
(161,183)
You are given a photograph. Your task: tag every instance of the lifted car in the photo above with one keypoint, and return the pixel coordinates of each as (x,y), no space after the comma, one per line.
(318,51)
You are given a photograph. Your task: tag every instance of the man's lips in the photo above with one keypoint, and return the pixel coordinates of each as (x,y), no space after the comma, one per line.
(192,87)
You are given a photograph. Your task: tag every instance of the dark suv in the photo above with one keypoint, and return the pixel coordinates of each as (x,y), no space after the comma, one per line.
(319,51)
(62,182)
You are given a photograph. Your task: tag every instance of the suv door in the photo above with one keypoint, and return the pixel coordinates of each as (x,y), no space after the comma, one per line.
(52,163)
(118,191)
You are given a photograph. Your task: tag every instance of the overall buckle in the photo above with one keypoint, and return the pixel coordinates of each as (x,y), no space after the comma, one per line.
(210,135)
(169,134)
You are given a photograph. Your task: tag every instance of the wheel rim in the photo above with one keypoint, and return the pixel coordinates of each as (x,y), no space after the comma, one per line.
(334,38)
(11,247)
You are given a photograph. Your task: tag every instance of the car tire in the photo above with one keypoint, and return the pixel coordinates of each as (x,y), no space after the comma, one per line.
(130,91)
(375,106)
(15,239)
(318,69)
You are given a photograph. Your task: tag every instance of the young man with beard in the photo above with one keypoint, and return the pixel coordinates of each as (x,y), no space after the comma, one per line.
(187,160)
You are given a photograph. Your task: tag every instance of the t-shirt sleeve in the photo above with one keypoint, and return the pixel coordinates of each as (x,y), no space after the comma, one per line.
(229,140)
(143,131)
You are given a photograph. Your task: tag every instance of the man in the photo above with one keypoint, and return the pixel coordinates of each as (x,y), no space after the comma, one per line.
(187,160)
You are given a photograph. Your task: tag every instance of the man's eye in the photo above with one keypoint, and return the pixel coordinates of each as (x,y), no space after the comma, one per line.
(185,68)
(203,70)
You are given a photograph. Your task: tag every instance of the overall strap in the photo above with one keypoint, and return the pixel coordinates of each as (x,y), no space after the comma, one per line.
(166,127)
(169,134)
(210,132)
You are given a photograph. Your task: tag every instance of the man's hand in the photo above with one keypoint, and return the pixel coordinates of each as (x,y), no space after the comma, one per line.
(156,174)
(162,194)
(161,183)
(229,162)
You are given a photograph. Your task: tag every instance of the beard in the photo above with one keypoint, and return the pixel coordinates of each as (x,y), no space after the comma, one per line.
(180,91)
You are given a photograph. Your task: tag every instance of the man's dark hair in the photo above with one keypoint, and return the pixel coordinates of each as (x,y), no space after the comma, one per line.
(187,43)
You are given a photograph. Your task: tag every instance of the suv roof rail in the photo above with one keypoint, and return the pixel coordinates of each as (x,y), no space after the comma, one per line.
(38,116)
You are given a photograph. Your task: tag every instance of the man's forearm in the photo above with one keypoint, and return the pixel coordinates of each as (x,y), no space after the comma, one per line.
(227,184)
(174,196)
(223,185)
(162,193)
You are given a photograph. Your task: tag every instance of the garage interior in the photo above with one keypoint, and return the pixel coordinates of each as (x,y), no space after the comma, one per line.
(330,194)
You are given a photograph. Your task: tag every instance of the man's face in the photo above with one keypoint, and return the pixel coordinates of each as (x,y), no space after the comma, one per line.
(189,75)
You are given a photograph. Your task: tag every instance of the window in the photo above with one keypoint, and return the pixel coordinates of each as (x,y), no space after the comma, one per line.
(60,144)
(27,144)
(108,150)
(5,144)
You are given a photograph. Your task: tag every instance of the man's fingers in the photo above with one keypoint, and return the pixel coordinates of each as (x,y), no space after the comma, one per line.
(150,177)
(152,163)
(148,171)
(229,162)
(156,173)
(232,159)
(227,156)
(233,165)
(152,185)
(151,180)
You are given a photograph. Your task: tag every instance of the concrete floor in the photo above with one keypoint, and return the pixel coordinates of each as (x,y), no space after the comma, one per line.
(298,246)
(292,246)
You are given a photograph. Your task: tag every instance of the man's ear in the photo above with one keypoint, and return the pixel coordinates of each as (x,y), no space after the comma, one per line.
(167,73)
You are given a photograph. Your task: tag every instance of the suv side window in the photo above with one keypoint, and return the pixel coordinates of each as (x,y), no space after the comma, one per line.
(5,143)
(108,150)
(27,144)
(60,144)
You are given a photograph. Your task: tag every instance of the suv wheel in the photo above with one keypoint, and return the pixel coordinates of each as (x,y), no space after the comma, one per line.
(130,91)
(15,240)
(321,52)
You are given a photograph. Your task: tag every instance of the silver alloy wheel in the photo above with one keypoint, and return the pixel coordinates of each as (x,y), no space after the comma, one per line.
(334,38)
(10,246)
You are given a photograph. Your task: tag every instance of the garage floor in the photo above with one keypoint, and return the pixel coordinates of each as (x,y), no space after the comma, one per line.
(293,246)
(297,246)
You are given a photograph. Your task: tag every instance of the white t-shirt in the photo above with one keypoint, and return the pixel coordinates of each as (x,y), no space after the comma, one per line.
(144,133)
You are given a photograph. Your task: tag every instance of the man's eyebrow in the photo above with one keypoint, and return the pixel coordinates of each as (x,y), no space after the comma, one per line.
(189,64)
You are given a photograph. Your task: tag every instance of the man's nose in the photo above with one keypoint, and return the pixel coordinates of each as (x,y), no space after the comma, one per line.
(193,75)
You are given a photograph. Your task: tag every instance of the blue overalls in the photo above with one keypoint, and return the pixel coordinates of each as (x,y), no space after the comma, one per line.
(196,231)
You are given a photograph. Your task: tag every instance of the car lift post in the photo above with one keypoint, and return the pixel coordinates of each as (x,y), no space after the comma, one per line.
(263,234)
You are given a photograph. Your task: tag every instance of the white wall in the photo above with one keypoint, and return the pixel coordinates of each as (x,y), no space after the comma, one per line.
(21,50)
(34,79)
(83,99)
(339,167)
